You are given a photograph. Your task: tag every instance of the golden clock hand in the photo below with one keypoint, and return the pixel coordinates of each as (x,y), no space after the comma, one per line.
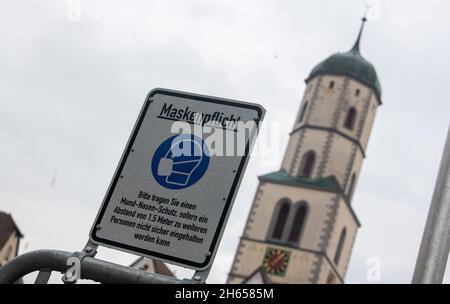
(277,259)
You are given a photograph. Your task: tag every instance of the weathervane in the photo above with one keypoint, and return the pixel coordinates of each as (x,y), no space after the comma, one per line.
(371,13)
(373,10)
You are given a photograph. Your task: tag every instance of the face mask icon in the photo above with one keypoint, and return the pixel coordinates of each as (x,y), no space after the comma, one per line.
(180,161)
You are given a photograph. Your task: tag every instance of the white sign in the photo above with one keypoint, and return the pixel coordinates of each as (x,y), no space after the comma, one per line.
(174,187)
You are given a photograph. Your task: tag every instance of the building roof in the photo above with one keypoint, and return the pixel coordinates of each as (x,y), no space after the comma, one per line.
(161,268)
(7,227)
(329,183)
(158,266)
(351,64)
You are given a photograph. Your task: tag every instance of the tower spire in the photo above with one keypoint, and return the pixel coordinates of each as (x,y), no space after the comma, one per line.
(355,47)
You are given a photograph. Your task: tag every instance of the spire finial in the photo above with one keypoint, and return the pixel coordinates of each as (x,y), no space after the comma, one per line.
(355,47)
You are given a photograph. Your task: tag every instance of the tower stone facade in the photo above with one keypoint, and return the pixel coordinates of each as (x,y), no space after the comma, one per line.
(301,227)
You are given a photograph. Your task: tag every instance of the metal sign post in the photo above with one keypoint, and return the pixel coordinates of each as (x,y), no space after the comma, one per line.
(435,246)
(173,190)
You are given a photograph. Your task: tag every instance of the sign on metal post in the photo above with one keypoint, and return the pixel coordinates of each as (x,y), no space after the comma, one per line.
(174,187)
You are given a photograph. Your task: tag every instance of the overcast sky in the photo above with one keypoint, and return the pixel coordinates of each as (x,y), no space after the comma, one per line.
(72,89)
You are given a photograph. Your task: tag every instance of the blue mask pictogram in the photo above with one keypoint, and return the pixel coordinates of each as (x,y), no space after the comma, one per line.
(180,161)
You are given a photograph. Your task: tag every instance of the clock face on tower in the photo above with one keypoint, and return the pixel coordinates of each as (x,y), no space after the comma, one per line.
(276,261)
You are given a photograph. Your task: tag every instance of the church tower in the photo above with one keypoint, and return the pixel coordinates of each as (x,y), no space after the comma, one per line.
(301,227)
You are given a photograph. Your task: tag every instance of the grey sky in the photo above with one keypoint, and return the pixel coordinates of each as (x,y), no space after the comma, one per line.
(71,91)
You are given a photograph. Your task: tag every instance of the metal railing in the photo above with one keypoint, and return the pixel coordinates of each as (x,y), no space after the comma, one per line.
(46,261)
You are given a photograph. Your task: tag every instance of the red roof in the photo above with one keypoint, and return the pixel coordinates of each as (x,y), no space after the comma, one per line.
(159,267)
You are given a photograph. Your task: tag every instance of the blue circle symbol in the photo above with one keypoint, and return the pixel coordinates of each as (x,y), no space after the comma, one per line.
(180,161)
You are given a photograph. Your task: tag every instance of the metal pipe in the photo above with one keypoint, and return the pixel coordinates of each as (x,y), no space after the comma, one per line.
(435,246)
(90,268)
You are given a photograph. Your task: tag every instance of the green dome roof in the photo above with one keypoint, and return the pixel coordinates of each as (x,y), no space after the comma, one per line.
(350,64)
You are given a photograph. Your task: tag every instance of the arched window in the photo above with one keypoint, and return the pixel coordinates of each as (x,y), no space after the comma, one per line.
(340,246)
(307,164)
(281,218)
(331,85)
(357,92)
(302,113)
(298,223)
(350,119)
(350,188)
